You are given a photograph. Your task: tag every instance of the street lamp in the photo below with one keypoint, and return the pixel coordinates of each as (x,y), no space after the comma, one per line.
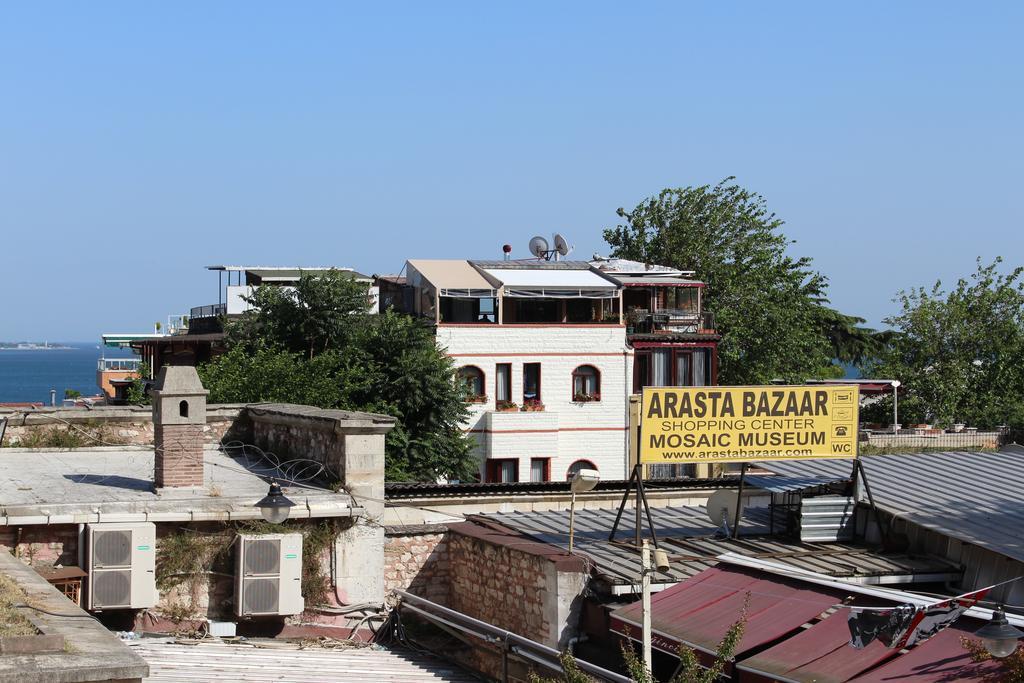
(275,507)
(999,636)
(584,480)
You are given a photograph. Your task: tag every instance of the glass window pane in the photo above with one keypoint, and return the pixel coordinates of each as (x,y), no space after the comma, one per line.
(700,363)
(682,369)
(504,382)
(538,467)
(531,382)
(508,471)
(661,375)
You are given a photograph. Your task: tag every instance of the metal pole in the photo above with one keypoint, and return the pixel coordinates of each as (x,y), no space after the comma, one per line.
(645,586)
(895,408)
(622,506)
(639,523)
(739,502)
(572,519)
(504,659)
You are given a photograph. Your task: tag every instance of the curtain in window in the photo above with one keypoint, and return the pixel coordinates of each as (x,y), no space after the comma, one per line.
(504,382)
(682,369)
(661,364)
(537,469)
(508,471)
(700,364)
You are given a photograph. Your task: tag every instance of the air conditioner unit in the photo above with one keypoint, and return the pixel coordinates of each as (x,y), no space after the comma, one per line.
(121,565)
(268,579)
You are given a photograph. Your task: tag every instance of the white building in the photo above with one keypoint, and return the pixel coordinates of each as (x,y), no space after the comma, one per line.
(544,350)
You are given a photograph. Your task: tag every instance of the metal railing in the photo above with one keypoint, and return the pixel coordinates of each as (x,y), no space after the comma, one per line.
(177,324)
(509,644)
(210,311)
(118,364)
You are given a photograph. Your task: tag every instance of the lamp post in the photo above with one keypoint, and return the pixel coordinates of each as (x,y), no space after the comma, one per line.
(999,636)
(584,480)
(275,507)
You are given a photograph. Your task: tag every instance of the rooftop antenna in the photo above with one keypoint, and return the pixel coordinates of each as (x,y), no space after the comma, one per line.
(562,247)
(539,248)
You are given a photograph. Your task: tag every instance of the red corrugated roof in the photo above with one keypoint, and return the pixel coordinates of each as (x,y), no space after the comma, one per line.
(940,659)
(821,653)
(700,610)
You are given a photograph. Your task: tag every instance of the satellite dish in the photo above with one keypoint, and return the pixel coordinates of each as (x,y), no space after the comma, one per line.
(561,246)
(722,507)
(539,247)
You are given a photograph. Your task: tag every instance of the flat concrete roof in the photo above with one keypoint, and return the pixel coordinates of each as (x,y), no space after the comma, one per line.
(115,484)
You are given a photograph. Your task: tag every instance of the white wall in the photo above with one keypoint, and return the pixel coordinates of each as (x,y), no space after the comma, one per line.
(565,431)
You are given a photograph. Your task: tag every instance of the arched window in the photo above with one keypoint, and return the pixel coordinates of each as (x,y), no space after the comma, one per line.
(183,409)
(586,384)
(577,466)
(473,378)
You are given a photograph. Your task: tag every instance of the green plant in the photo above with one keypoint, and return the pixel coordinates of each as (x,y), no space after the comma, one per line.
(12,621)
(318,345)
(137,395)
(506,406)
(1010,669)
(690,669)
(187,556)
(72,393)
(768,305)
(89,433)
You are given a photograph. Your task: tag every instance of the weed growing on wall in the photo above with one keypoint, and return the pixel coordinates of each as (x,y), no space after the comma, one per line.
(188,556)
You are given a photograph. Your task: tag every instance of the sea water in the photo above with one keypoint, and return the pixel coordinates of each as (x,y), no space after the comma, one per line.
(28,375)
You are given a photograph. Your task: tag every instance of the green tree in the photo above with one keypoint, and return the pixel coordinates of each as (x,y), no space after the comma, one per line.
(960,354)
(319,345)
(769,306)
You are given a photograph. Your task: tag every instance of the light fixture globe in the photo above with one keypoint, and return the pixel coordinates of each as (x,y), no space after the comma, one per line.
(999,636)
(275,507)
(584,480)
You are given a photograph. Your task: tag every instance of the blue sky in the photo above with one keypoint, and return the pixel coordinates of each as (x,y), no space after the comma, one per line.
(140,142)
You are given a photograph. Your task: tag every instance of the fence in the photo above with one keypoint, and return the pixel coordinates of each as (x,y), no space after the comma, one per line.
(930,439)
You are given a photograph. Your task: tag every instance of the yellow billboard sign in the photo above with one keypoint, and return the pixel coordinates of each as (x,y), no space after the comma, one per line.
(724,424)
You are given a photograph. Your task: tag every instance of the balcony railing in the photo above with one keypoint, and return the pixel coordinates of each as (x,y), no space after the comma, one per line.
(211,311)
(118,364)
(672,320)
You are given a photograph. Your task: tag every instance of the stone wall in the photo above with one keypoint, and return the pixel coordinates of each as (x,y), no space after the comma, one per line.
(416,559)
(532,589)
(42,545)
(114,425)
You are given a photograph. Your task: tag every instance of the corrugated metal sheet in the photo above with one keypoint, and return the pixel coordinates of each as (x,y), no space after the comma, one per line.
(971,496)
(821,653)
(687,535)
(779,484)
(699,611)
(940,659)
(171,663)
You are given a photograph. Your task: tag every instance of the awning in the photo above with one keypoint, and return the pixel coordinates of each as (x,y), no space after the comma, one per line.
(821,653)
(453,275)
(556,283)
(699,611)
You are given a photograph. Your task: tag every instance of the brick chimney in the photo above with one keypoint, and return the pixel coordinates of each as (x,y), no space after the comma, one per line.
(179,416)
